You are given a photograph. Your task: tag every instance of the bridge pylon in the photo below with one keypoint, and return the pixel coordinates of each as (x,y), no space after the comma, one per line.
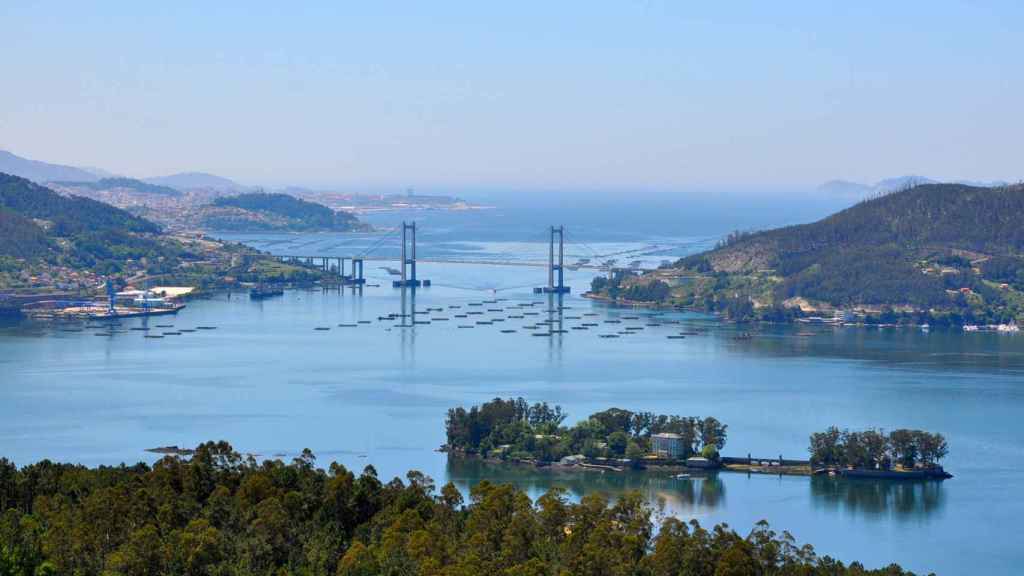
(409,279)
(555,270)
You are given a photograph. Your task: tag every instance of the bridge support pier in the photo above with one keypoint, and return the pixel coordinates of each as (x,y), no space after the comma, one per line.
(357,272)
(409,278)
(555,270)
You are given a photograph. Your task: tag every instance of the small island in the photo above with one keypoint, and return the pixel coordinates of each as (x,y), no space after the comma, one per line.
(515,432)
(615,439)
(901,454)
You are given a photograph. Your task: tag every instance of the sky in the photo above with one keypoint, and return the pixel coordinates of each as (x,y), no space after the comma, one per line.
(520,95)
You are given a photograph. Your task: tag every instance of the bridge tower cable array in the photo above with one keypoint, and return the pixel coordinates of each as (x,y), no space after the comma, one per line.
(408,269)
(555,270)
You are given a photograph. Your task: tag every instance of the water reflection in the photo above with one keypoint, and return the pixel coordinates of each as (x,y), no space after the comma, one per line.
(686,495)
(901,500)
(895,347)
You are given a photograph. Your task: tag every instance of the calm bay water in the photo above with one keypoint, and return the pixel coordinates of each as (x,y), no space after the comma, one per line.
(377,394)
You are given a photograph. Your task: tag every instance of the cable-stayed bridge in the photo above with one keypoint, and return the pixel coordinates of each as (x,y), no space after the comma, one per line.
(350,269)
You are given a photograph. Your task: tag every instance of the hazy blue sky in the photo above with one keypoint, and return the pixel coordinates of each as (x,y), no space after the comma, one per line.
(657,95)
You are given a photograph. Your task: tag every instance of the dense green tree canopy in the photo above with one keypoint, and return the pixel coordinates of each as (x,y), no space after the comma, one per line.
(873,449)
(514,428)
(222,514)
(923,247)
(300,214)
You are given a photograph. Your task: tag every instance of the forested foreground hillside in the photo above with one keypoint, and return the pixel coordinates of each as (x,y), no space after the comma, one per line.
(950,253)
(221,514)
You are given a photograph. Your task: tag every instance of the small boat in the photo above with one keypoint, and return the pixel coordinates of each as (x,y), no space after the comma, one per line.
(261,292)
(322,328)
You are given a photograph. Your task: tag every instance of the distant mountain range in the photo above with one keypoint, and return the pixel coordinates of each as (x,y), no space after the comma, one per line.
(45,172)
(195,181)
(122,183)
(859,190)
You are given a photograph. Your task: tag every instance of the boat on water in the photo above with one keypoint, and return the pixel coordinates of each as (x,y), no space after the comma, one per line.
(261,292)
(125,312)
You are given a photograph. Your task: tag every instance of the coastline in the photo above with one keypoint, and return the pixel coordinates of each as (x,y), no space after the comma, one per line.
(733,465)
(803,320)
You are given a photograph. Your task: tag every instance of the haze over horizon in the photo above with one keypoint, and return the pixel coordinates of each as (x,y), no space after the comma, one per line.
(559,96)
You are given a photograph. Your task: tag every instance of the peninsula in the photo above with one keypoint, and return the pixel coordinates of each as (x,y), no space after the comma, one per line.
(932,254)
(57,248)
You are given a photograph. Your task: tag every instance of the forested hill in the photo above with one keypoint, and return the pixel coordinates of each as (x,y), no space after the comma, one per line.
(948,248)
(261,211)
(36,223)
(67,214)
(924,218)
(125,183)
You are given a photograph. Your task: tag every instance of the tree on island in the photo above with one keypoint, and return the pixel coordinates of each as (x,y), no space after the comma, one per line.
(513,428)
(873,449)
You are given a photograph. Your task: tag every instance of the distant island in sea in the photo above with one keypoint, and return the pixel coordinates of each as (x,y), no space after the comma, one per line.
(930,254)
